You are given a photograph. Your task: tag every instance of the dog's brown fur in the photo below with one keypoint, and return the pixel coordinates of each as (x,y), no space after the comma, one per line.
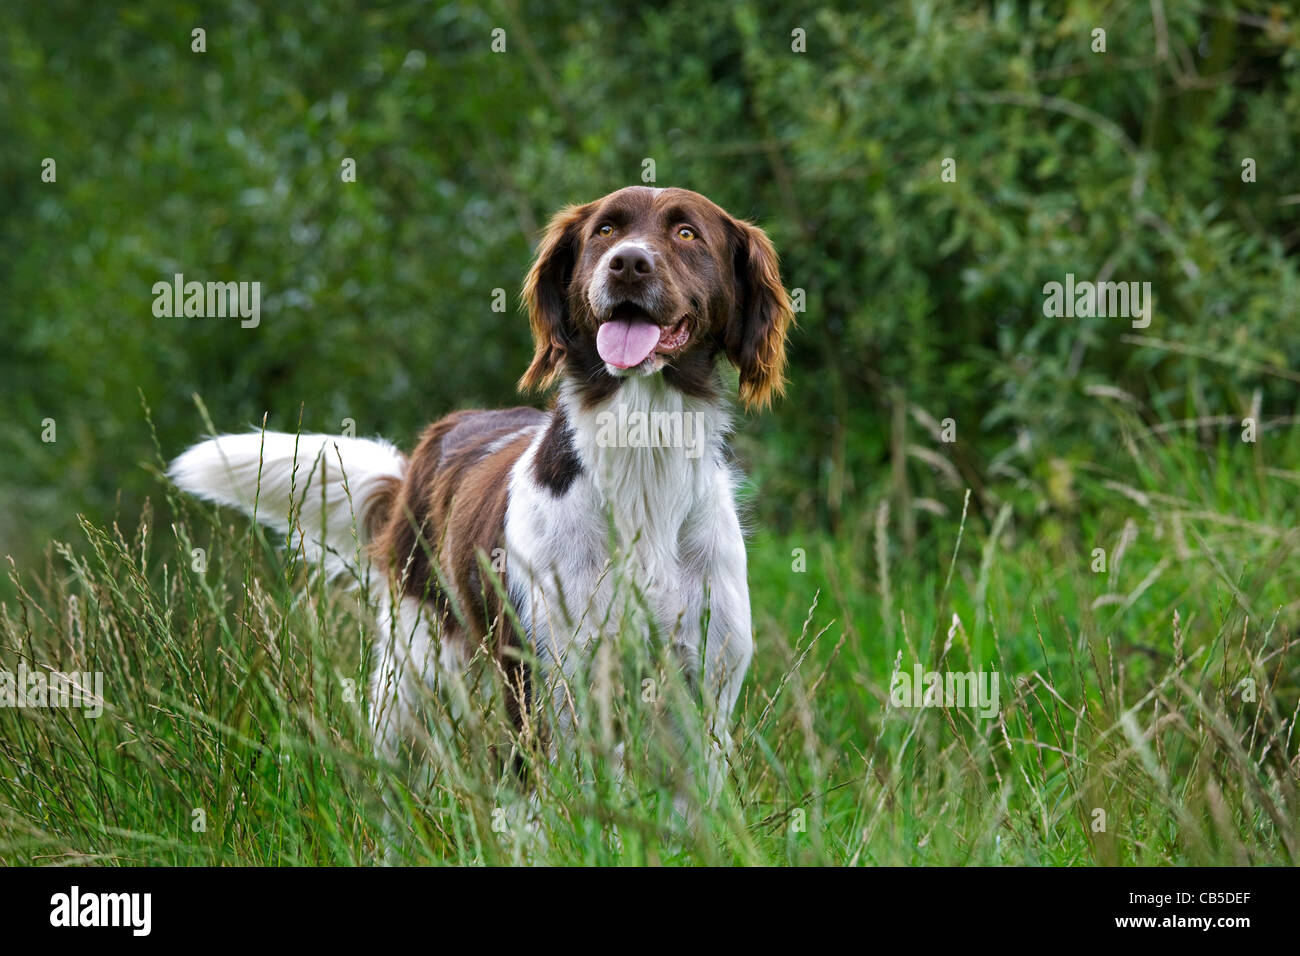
(726,283)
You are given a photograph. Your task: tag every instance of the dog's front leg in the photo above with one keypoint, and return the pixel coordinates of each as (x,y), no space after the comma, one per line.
(729,641)
(728,649)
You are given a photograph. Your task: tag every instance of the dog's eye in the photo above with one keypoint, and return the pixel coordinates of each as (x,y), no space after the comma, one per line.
(606,230)
(686,233)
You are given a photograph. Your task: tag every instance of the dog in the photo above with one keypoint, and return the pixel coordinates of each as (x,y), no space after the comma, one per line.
(633,300)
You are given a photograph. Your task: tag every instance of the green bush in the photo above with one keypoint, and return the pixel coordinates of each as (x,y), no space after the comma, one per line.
(378,294)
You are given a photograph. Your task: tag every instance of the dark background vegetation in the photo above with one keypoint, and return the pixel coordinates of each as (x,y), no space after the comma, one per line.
(924,298)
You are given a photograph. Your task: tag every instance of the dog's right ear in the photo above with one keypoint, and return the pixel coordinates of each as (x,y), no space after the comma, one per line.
(546,293)
(755,337)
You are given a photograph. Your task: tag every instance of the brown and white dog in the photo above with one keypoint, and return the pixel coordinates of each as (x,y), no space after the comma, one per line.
(615,506)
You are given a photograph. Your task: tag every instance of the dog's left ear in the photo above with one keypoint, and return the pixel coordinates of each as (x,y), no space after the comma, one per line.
(754,338)
(546,293)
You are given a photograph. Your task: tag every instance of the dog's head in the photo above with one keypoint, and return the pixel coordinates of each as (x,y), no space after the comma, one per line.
(649,281)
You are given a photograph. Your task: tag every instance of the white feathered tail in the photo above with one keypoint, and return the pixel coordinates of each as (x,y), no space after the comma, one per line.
(321,491)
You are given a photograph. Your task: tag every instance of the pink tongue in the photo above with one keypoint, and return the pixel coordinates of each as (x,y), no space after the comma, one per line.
(623,343)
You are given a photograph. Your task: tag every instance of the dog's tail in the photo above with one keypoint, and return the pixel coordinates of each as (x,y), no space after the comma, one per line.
(326,493)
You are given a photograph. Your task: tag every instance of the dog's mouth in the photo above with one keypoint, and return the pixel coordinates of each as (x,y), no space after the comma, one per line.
(630,335)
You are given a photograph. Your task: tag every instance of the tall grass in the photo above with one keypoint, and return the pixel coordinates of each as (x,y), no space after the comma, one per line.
(1128,730)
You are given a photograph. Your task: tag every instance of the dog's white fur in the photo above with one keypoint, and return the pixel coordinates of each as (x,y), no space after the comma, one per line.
(278,479)
(678,542)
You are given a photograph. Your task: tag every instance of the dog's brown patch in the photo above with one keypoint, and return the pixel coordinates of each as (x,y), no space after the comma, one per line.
(556,464)
(448,517)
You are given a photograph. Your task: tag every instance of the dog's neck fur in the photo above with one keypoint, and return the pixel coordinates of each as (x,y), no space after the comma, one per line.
(649,455)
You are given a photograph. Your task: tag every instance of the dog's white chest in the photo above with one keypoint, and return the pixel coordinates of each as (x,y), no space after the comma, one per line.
(631,542)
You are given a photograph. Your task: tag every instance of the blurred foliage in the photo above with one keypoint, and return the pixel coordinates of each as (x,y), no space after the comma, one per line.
(921,295)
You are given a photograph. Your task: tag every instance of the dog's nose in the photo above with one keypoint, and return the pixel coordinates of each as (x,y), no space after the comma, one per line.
(632,264)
